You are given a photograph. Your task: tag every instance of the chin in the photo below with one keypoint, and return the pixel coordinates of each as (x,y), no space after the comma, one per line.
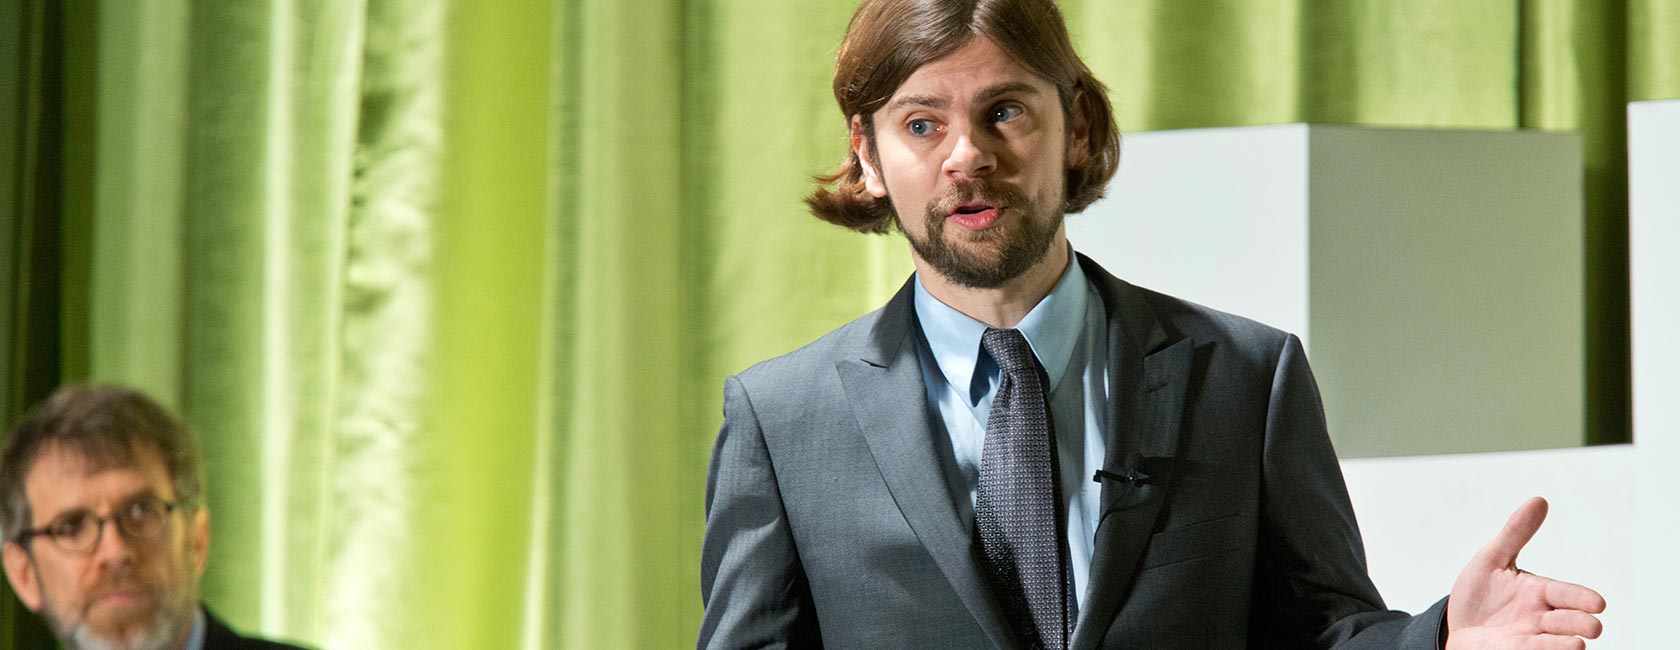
(159,630)
(158,636)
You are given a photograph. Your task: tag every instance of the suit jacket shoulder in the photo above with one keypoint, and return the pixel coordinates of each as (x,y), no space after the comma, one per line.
(1174,319)
(787,370)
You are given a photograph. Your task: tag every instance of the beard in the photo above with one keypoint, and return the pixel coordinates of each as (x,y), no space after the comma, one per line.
(161,633)
(991,257)
(164,629)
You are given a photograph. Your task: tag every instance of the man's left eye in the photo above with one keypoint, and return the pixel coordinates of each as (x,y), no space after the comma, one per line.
(145,508)
(1006,113)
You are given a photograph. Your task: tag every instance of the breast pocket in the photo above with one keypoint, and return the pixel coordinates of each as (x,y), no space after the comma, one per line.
(1196,540)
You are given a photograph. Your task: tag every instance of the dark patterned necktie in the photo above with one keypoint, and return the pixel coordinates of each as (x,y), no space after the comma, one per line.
(1015,511)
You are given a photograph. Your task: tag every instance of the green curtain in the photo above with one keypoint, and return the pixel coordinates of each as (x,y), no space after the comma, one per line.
(448,290)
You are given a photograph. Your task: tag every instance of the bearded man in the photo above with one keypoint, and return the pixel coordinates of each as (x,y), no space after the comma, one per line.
(106,532)
(1020,450)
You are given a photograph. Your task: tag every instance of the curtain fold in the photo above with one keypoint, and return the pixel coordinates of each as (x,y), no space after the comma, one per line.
(1653,39)
(478,427)
(616,464)
(135,277)
(271,92)
(364,535)
(448,290)
(32,35)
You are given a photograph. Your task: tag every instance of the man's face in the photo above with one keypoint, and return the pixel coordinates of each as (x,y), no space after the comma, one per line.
(124,592)
(973,154)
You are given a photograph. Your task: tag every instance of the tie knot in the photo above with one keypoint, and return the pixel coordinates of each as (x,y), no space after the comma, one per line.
(1009,349)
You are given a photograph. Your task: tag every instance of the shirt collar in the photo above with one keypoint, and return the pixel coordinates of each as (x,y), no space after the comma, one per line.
(1052,328)
(195,641)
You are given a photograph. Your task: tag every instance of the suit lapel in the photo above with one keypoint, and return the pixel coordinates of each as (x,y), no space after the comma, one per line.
(883,382)
(1148,377)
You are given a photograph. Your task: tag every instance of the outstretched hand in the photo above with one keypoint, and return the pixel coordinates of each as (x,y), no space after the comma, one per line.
(1494,605)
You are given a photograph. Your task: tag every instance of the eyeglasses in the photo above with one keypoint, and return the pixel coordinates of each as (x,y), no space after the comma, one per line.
(79,532)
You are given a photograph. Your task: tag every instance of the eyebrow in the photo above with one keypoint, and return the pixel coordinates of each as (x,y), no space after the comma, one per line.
(940,103)
(121,503)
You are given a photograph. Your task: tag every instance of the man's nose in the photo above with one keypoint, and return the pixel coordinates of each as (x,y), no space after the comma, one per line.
(972,155)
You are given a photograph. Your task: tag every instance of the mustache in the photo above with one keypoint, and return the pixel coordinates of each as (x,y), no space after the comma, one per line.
(983,190)
(119,581)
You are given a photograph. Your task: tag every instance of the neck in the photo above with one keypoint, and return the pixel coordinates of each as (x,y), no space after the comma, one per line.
(1005,305)
(184,637)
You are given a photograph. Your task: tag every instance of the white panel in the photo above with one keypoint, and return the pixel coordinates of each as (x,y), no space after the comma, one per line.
(1423,518)
(1654,278)
(1215,216)
(1435,276)
(1446,289)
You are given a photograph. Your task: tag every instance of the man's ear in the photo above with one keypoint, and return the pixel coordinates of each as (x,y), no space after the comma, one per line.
(199,542)
(20,571)
(1079,130)
(861,147)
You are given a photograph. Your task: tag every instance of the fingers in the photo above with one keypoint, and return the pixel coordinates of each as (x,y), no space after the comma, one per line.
(1503,550)
(1568,595)
(1569,622)
(1556,643)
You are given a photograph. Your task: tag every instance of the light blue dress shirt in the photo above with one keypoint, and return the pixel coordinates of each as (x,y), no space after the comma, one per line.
(1068,333)
(195,641)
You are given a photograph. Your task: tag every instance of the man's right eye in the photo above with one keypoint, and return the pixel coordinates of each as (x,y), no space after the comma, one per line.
(919,127)
(68,528)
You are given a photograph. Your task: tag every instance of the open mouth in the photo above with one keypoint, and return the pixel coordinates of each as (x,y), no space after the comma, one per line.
(975,215)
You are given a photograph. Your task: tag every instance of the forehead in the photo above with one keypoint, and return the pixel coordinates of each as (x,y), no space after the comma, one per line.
(976,67)
(62,479)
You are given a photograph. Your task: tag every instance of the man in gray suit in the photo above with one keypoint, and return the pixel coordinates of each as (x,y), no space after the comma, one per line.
(1020,450)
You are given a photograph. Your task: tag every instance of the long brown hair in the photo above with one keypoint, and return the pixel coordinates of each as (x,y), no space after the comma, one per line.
(888,40)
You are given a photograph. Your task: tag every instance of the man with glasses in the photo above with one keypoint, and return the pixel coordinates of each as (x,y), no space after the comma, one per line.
(106,532)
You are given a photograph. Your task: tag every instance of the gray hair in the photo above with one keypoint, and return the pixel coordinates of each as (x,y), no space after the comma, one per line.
(106,425)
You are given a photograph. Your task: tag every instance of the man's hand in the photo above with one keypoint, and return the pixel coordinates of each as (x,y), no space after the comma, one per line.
(1495,605)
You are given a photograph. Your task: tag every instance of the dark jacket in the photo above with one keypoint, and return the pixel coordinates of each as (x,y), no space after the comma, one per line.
(218,636)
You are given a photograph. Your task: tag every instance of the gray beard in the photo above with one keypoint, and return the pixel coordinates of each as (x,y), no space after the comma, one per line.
(162,634)
(168,627)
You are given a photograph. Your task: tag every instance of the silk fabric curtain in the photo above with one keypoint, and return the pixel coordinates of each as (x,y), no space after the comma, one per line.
(448,290)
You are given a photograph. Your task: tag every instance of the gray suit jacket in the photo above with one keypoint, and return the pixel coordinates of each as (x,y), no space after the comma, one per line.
(829,521)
